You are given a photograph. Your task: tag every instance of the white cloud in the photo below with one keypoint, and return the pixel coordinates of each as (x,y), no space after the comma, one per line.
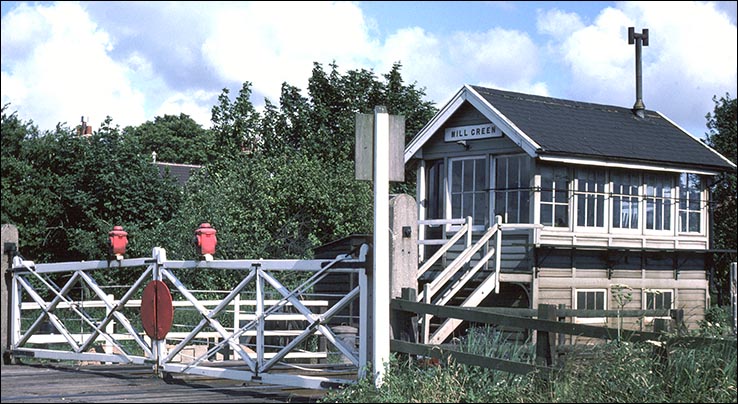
(505,59)
(691,57)
(65,72)
(197,104)
(557,23)
(132,60)
(271,43)
(421,55)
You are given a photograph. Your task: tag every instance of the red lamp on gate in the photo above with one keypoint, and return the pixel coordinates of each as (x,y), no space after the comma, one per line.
(205,241)
(117,242)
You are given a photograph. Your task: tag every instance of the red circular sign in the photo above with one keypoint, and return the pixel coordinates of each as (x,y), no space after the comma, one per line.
(157,312)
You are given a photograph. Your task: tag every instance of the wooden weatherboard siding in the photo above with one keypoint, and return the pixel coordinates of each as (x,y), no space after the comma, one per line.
(573,145)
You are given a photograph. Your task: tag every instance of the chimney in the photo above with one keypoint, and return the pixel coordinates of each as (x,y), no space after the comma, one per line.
(639,40)
(84,130)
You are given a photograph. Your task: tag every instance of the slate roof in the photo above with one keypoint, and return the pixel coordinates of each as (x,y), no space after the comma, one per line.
(578,129)
(180,172)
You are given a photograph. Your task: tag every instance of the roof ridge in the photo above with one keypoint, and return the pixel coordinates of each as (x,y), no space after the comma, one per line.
(178,164)
(553,100)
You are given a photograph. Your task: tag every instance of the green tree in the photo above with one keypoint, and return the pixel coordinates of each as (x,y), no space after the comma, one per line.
(272,207)
(723,137)
(235,124)
(175,139)
(292,189)
(296,190)
(65,192)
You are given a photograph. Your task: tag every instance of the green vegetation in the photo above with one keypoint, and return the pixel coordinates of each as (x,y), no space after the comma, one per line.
(274,184)
(622,372)
(723,137)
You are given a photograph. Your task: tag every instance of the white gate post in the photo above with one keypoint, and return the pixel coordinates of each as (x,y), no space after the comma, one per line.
(159,346)
(380,274)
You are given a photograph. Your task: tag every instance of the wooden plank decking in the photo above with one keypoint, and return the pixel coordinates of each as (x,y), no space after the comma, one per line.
(49,383)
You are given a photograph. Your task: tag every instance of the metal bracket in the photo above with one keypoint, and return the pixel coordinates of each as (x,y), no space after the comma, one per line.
(10,248)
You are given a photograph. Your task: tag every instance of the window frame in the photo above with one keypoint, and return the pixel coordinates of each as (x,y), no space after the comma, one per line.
(449,206)
(618,197)
(604,193)
(648,320)
(660,179)
(554,203)
(495,188)
(590,320)
(700,202)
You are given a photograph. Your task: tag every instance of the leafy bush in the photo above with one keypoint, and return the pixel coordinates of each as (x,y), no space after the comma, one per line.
(623,372)
(717,322)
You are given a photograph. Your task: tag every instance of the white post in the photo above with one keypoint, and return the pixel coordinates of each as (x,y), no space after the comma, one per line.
(363,317)
(159,346)
(426,317)
(422,202)
(498,252)
(236,312)
(469,235)
(15,308)
(380,276)
(110,328)
(259,313)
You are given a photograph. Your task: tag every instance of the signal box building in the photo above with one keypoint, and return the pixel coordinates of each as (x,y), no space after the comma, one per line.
(620,197)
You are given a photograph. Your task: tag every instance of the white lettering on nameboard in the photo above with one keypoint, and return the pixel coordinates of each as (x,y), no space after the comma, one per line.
(471,132)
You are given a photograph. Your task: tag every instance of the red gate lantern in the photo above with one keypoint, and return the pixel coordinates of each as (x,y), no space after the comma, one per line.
(205,240)
(118,240)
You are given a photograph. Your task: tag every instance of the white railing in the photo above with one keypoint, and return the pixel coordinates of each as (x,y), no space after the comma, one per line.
(222,323)
(465,230)
(237,308)
(442,280)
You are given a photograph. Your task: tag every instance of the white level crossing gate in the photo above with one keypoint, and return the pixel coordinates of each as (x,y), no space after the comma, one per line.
(258,330)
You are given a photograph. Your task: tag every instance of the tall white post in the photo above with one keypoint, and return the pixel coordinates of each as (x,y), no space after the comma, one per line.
(381,276)
(422,202)
(159,346)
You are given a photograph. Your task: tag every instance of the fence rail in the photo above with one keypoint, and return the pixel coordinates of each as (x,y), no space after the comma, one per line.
(544,320)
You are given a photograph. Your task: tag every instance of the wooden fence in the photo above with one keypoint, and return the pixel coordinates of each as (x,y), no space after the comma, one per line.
(547,321)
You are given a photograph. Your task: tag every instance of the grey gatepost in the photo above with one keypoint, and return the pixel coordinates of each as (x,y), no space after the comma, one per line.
(10,246)
(403,261)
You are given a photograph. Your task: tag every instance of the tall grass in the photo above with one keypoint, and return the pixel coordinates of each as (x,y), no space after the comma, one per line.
(616,372)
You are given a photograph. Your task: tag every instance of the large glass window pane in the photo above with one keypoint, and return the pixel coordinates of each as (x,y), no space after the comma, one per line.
(554,196)
(590,197)
(435,194)
(591,300)
(480,177)
(690,203)
(456,174)
(468,189)
(468,174)
(581,300)
(512,189)
(694,222)
(658,202)
(456,206)
(561,218)
(659,300)
(480,207)
(625,186)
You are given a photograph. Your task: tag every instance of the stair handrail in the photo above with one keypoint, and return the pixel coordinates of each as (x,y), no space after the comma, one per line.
(465,257)
(466,229)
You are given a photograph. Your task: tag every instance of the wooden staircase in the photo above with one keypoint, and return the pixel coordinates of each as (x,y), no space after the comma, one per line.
(472,276)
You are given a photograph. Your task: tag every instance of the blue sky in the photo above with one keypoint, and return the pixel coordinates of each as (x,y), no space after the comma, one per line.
(134,61)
